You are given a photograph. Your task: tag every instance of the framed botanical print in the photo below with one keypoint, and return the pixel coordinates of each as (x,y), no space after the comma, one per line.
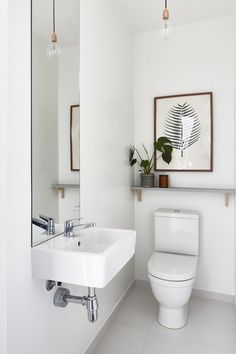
(187,120)
(74,138)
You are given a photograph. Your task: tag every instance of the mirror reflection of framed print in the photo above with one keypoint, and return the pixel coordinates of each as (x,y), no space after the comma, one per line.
(187,121)
(74,138)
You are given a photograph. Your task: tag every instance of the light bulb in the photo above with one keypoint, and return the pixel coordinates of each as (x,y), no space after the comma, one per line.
(53,50)
(166,29)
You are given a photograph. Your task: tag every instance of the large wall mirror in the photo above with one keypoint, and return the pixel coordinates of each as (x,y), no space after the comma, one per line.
(55,116)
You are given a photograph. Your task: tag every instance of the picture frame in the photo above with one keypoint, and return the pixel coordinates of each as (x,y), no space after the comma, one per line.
(187,121)
(75,138)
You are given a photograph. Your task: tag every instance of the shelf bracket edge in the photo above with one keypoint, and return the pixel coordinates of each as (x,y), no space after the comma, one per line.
(226,200)
(139,193)
(61,191)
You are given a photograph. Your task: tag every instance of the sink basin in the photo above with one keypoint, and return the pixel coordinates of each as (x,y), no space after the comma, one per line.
(91,258)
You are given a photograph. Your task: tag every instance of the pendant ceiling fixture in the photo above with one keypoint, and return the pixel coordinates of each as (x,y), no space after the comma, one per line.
(53,49)
(166,28)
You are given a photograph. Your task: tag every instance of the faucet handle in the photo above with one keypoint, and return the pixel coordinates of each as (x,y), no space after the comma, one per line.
(46,218)
(46,223)
(69,226)
(73,220)
(50,224)
(70,223)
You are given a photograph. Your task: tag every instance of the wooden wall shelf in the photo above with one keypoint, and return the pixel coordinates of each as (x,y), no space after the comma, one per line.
(61,188)
(227,192)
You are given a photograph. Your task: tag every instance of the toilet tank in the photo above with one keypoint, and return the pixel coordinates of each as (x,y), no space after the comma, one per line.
(177,231)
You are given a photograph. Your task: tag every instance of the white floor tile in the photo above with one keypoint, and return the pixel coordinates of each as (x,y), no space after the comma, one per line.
(211,328)
(120,339)
(160,344)
(210,323)
(139,309)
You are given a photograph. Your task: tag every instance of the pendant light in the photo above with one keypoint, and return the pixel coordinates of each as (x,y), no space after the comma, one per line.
(53,49)
(166,28)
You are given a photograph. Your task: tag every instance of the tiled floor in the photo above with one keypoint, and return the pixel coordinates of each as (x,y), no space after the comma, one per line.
(211,328)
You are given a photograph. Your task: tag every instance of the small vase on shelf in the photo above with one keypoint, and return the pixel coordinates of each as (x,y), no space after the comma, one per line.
(147,180)
(163,181)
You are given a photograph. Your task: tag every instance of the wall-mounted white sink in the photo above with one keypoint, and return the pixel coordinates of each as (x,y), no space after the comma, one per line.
(91,258)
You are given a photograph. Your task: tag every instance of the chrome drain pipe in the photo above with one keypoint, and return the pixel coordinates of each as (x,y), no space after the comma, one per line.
(92,305)
(62,297)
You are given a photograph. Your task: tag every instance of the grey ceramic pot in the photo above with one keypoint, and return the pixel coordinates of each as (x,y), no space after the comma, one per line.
(147,180)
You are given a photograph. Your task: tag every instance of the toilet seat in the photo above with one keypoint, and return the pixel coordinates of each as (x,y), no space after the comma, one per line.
(172,267)
(170,283)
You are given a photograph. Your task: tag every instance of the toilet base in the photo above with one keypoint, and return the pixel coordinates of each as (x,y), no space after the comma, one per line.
(173,318)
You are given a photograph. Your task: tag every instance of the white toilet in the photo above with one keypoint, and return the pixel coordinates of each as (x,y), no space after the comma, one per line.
(173,266)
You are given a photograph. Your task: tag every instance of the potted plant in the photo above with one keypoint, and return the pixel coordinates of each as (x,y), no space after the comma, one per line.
(146,164)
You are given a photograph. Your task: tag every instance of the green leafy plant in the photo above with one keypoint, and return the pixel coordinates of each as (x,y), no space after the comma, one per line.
(163,145)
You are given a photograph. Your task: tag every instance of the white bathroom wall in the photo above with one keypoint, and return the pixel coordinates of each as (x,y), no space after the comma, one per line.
(68,94)
(3,175)
(44,130)
(205,63)
(234,159)
(35,326)
(106,114)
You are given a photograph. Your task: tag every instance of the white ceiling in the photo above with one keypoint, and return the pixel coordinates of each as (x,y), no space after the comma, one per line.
(67,20)
(145,15)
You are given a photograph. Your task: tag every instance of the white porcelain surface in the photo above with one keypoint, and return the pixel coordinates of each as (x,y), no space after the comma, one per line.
(176,213)
(178,233)
(170,266)
(101,254)
(173,298)
(210,329)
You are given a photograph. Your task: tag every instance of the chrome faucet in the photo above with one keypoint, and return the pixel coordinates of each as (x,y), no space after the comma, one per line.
(46,223)
(70,225)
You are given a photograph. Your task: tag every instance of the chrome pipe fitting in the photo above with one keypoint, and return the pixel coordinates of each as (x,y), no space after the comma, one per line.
(92,305)
(62,297)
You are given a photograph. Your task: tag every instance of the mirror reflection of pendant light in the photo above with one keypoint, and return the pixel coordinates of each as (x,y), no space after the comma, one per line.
(53,49)
(166,28)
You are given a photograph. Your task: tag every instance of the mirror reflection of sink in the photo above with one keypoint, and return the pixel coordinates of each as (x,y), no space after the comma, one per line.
(91,258)
(40,235)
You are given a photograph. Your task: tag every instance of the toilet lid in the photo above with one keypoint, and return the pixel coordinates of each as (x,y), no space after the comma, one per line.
(170,266)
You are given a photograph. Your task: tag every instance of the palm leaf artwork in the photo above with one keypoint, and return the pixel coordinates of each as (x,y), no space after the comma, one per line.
(182,126)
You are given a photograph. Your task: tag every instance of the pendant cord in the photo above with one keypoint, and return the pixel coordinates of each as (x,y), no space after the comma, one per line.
(165,4)
(53,17)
